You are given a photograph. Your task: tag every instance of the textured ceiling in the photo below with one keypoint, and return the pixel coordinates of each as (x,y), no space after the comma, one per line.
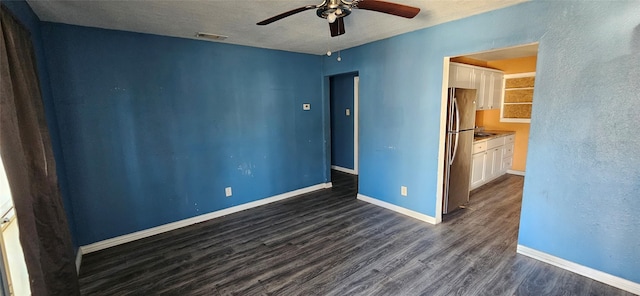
(303,32)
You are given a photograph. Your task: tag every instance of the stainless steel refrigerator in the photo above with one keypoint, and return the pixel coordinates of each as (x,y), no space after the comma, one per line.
(461,117)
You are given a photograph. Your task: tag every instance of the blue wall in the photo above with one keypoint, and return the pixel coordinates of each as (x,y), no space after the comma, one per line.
(154,128)
(583,170)
(341,96)
(24,13)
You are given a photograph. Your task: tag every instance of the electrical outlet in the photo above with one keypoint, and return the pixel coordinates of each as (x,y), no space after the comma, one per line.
(227,191)
(348,112)
(403,190)
(306,106)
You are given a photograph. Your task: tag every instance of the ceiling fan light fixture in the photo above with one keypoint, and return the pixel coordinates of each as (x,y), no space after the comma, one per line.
(331,17)
(335,11)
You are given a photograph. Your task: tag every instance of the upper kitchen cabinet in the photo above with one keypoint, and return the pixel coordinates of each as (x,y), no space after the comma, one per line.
(518,97)
(461,75)
(497,90)
(488,82)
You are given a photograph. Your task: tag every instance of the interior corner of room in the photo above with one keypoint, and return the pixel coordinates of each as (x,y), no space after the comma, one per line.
(335,148)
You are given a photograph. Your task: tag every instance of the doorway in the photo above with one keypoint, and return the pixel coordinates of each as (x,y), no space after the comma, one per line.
(343,117)
(15,278)
(505,80)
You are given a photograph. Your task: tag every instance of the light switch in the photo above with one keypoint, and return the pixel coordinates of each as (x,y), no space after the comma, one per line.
(348,112)
(306,106)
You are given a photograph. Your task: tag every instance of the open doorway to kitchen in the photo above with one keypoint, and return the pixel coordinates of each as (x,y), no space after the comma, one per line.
(504,81)
(343,113)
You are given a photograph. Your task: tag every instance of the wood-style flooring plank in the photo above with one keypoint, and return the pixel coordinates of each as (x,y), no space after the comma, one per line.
(329,243)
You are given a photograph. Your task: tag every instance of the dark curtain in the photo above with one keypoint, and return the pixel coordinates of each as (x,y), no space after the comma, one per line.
(25,147)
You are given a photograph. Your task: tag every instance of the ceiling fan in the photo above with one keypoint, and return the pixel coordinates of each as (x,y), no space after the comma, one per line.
(335,10)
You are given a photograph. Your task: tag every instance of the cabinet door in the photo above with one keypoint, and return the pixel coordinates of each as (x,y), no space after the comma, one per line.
(464,77)
(453,70)
(483,89)
(496,166)
(507,162)
(477,169)
(492,164)
(496,96)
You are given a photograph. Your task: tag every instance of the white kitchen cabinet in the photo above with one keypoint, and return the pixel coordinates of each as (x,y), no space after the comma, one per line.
(484,87)
(507,150)
(460,75)
(497,90)
(507,154)
(487,82)
(492,164)
(491,159)
(507,162)
(477,169)
(496,166)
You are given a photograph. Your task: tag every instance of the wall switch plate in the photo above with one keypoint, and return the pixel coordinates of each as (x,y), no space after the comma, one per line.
(306,106)
(348,112)
(227,191)
(403,190)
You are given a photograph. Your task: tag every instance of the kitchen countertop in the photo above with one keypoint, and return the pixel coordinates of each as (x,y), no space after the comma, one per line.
(497,135)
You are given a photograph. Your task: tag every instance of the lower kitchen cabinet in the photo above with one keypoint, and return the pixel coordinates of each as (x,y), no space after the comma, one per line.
(491,159)
(496,159)
(477,169)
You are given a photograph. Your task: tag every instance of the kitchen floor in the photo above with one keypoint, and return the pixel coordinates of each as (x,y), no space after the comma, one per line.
(329,243)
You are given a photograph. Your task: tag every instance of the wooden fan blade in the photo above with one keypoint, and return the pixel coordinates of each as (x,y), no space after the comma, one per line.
(285,14)
(390,8)
(337,27)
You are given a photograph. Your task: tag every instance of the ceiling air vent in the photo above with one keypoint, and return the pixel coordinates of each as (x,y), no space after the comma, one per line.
(211,36)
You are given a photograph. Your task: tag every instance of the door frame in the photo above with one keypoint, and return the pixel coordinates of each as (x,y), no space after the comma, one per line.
(443,139)
(443,128)
(355,113)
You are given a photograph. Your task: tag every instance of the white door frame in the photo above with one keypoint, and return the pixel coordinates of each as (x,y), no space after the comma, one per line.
(356,119)
(443,138)
(355,113)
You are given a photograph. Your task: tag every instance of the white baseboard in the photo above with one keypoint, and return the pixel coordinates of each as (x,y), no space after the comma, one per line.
(197,219)
(597,275)
(78,260)
(328,185)
(344,170)
(398,209)
(514,172)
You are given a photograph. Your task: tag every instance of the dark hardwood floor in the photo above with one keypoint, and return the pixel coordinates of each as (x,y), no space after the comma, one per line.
(329,243)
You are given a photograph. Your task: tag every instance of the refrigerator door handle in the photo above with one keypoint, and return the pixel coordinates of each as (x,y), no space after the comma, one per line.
(455,104)
(455,148)
(451,108)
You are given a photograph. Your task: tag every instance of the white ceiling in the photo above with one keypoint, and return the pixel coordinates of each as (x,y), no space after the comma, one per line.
(304,32)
